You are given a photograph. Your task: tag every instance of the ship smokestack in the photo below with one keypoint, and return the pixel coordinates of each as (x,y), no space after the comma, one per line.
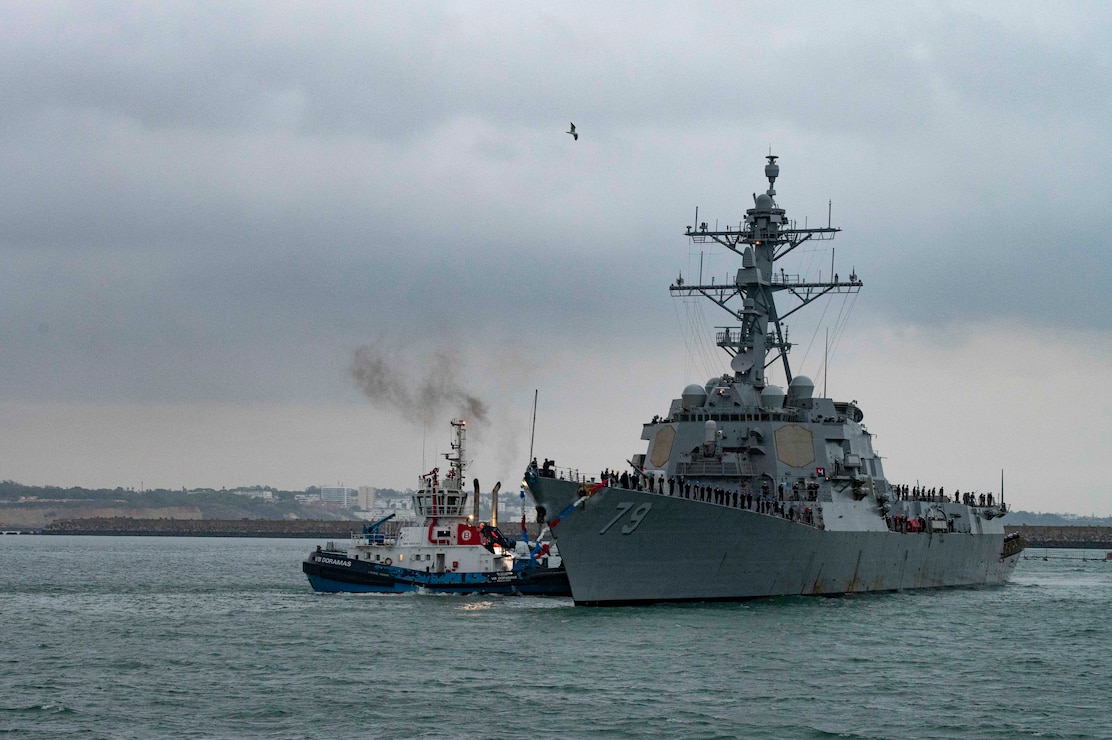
(476,501)
(494,504)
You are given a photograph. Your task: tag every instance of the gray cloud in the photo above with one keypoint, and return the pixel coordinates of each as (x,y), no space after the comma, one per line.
(223,202)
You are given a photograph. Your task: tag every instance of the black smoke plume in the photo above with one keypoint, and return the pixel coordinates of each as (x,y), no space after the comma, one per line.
(425,391)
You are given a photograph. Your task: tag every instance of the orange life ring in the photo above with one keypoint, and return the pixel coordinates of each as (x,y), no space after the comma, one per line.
(388,561)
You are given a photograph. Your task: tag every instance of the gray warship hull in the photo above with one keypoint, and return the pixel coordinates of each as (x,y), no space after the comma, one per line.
(680,550)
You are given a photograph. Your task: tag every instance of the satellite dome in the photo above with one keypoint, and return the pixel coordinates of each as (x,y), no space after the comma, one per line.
(764,202)
(693,396)
(802,384)
(772,397)
(800,389)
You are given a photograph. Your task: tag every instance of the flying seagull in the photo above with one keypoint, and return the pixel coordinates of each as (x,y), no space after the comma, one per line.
(572,132)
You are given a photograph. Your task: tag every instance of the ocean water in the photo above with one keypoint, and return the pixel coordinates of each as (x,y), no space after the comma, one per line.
(194,637)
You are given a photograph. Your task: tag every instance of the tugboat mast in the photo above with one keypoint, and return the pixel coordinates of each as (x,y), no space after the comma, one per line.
(455,457)
(765,237)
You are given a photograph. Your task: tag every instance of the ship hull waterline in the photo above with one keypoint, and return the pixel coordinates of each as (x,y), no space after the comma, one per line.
(625,547)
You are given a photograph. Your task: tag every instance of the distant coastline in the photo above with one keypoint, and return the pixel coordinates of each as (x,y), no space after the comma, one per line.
(284,528)
(211,513)
(36,508)
(1056,536)
(275,528)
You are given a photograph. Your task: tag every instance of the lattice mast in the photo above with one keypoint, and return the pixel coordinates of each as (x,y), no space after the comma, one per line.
(760,338)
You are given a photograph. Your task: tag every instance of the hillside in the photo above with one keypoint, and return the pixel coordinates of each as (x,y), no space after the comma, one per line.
(33,507)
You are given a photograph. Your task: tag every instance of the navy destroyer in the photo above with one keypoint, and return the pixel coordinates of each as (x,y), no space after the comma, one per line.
(448,551)
(748,489)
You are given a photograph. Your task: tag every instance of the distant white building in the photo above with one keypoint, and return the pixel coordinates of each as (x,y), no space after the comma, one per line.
(345,497)
(254,493)
(366,500)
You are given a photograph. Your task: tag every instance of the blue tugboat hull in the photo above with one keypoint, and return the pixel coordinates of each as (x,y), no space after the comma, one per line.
(332,572)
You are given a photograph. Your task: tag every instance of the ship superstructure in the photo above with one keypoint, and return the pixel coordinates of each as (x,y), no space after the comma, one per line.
(749,489)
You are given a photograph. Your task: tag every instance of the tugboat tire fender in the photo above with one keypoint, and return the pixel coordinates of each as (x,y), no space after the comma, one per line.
(388,561)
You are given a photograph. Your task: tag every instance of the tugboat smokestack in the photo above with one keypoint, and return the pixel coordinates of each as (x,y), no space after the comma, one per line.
(476,501)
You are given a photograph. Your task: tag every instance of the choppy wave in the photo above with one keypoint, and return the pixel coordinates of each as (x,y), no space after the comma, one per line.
(224,638)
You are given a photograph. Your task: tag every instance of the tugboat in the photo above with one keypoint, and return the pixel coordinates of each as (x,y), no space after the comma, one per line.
(747,489)
(449,551)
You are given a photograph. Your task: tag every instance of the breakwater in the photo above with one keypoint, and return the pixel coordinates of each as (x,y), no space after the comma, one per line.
(307,528)
(1035,536)
(1064,536)
(288,528)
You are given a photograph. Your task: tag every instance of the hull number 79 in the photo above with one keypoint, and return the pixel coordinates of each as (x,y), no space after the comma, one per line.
(635,518)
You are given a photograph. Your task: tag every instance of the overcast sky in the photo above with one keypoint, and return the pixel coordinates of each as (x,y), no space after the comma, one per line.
(212,212)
